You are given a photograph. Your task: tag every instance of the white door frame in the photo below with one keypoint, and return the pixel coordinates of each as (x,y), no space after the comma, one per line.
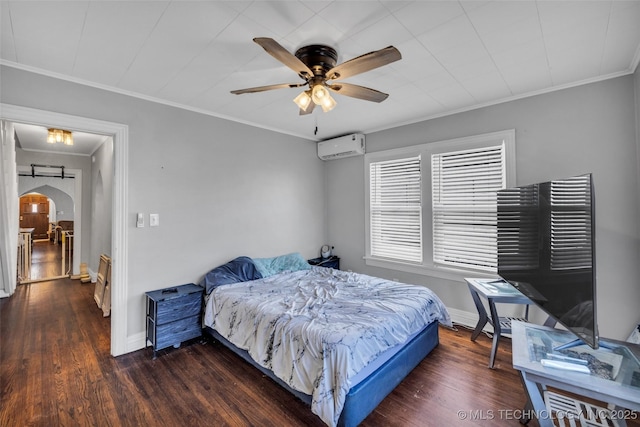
(9,223)
(119,247)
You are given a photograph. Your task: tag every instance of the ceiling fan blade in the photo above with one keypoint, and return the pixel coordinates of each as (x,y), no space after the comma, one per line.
(276,50)
(309,109)
(265,88)
(359,92)
(364,63)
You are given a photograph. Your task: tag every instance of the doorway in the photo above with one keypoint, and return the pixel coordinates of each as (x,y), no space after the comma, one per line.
(48,231)
(34,215)
(52,251)
(120,342)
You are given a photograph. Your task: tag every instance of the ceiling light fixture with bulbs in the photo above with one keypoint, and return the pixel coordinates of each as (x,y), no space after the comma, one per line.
(316,65)
(317,95)
(59,135)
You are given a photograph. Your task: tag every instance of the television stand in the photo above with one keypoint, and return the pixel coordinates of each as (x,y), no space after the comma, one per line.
(532,343)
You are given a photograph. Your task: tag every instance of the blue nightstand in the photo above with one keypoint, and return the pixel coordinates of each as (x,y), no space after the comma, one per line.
(173,316)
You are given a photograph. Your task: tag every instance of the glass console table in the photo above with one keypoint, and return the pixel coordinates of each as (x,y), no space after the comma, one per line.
(614,375)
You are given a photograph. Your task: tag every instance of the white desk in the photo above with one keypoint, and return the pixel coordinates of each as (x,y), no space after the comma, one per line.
(530,343)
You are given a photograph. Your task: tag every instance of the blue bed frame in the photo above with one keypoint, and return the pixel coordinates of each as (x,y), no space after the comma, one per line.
(365,396)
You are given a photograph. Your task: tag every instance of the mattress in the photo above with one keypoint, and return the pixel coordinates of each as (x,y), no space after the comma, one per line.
(321,331)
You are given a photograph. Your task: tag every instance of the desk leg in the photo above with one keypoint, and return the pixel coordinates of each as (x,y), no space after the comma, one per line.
(535,403)
(482,314)
(497,331)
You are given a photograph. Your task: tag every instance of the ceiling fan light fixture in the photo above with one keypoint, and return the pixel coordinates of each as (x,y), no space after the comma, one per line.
(303,100)
(59,135)
(328,104)
(320,95)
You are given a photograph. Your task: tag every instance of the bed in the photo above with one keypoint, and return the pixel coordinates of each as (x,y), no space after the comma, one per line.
(338,340)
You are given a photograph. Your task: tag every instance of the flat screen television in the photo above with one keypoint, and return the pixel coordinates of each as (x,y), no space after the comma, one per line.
(546,249)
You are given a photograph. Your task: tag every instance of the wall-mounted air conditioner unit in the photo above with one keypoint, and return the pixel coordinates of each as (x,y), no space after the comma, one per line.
(343,146)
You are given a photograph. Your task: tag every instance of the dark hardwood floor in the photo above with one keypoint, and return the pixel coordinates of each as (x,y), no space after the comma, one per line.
(55,369)
(46,260)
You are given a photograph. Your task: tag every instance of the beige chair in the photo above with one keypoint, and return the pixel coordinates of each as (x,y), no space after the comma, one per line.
(63,225)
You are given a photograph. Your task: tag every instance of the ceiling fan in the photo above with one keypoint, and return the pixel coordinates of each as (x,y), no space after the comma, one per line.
(316,65)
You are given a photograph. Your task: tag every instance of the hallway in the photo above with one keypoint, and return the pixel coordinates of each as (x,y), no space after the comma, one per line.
(46,260)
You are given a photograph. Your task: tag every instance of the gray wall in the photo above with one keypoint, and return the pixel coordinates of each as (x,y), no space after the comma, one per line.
(222,189)
(26,158)
(590,128)
(102,170)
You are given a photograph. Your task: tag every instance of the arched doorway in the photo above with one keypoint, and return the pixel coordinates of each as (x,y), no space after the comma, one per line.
(47,207)
(55,261)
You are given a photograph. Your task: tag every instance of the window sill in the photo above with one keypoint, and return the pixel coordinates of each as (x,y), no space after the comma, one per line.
(431,271)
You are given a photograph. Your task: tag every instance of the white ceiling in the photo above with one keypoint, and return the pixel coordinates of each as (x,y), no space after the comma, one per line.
(34,138)
(457,55)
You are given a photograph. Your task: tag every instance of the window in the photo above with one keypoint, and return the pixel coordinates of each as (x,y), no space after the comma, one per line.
(464,186)
(396,209)
(431,208)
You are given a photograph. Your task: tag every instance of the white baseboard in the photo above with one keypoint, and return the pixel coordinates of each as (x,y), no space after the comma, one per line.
(136,342)
(93,275)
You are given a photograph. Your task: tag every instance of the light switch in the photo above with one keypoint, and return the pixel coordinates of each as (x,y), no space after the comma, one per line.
(140,220)
(154,220)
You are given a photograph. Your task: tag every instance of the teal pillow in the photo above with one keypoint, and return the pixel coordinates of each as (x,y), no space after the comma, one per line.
(289,262)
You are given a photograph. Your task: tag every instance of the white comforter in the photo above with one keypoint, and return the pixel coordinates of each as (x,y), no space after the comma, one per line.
(315,329)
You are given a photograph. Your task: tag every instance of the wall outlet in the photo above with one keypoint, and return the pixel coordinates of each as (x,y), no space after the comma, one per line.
(140,220)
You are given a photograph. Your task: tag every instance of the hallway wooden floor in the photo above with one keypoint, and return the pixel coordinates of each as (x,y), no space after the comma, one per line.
(55,370)
(46,260)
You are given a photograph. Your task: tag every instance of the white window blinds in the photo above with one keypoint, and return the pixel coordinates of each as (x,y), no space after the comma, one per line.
(396,209)
(571,223)
(464,186)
